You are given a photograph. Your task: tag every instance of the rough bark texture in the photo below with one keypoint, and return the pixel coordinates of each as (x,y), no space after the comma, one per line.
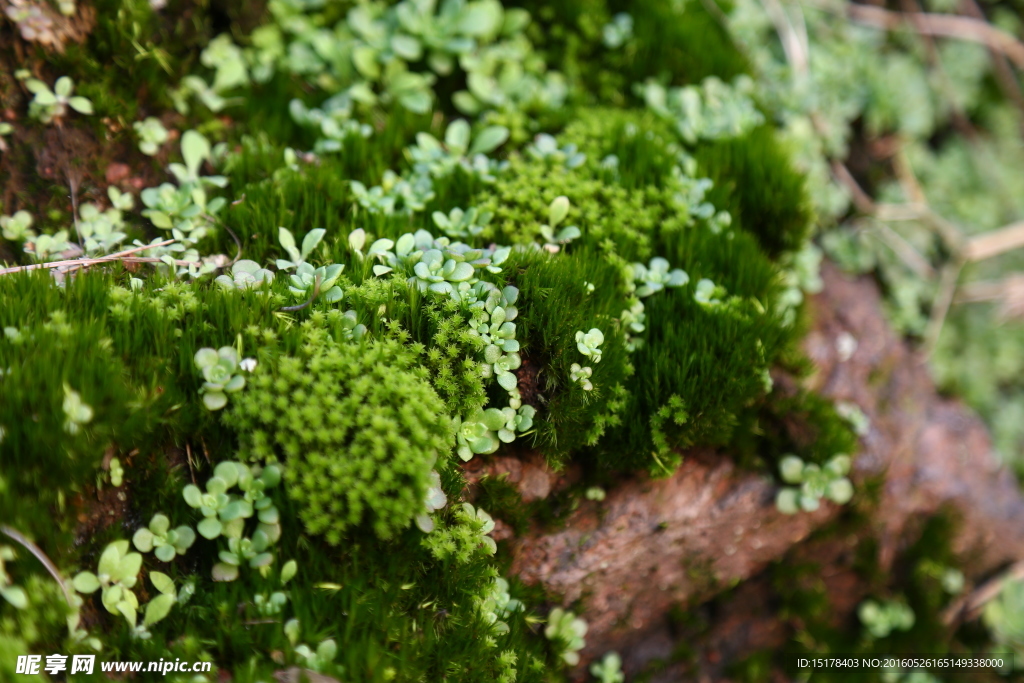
(655,544)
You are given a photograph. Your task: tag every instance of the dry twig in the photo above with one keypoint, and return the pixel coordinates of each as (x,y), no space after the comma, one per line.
(41,556)
(969,606)
(945,25)
(123,256)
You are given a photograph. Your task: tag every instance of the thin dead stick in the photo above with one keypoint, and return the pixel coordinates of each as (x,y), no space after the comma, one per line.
(796,55)
(960,120)
(995,242)
(238,242)
(969,606)
(940,306)
(945,25)
(82,263)
(861,199)
(41,556)
(978,292)
(56,264)
(1003,71)
(905,250)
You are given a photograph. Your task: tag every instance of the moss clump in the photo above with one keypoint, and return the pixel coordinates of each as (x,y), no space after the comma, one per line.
(557,303)
(359,428)
(755,181)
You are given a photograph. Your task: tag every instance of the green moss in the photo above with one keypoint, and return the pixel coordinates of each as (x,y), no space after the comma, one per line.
(681,42)
(806,425)
(756,182)
(358,427)
(556,304)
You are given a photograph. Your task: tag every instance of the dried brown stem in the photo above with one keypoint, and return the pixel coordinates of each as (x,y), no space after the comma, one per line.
(995,242)
(969,606)
(123,256)
(945,25)
(41,556)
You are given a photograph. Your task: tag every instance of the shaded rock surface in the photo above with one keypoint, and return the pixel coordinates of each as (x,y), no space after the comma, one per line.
(653,545)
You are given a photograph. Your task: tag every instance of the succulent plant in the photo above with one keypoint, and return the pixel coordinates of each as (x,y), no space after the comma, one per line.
(581,375)
(48,105)
(814,483)
(17,228)
(245,274)
(500,366)
(309,243)
(546,148)
(319,660)
(634,320)
(486,526)
(218,368)
(435,273)
(883,618)
(45,246)
(160,606)
(76,412)
(162,539)
(497,604)
(589,344)
(708,294)
(250,550)
(557,212)
(225,513)
(568,631)
(609,669)
(656,276)
(116,472)
(116,575)
(461,224)
(151,134)
(305,277)
(102,231)
(434,501)
(616,33)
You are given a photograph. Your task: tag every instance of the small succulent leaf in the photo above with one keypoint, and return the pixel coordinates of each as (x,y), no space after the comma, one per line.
(186,537)
(224,572)
(165,553)
(159,524)
(489,139)
(128,568)
(158,608)
(457,136)
(111,598)
(128,610)
(194,149)
(558,210)
(209,528)
(311,240)
(288,571)
(85,582)
(81,104)
(109,560)
(193,496)
(162,582)
(143,540)
(206,357)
